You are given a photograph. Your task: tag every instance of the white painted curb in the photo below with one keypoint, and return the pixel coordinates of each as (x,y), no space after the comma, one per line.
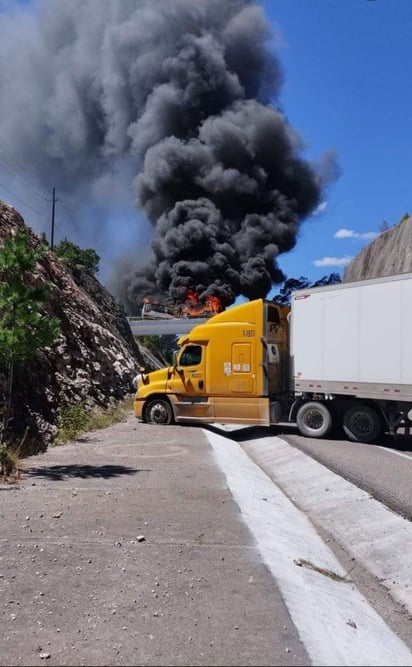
(336,623)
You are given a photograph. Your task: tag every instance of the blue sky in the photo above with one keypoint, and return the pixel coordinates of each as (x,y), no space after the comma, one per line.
(347,67)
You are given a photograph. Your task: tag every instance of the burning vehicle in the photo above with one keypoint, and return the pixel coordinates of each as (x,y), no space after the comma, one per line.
(192,306)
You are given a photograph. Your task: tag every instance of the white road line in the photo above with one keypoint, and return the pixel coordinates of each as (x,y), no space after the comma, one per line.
(335,622)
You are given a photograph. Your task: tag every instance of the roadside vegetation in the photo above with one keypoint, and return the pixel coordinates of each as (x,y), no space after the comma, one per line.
(24,329)
(71,254)
(75,420)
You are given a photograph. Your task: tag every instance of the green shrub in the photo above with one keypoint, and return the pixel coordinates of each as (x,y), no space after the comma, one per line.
(72,254)
(77,419)
(73,420)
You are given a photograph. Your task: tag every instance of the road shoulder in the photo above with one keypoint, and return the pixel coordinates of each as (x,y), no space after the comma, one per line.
(372,543)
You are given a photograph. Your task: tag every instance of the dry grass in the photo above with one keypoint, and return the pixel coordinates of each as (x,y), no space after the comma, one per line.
(76,419)
(11,464)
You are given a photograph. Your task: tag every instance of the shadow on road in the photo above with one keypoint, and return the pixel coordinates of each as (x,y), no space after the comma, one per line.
(60,472)
(402,443)
(398,442)
(241,434)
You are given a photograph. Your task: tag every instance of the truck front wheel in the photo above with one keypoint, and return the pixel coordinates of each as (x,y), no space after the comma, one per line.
(158,411)
(314,420)
(361,423)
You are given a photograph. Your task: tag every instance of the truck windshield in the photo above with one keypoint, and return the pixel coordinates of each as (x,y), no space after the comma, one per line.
(191,355)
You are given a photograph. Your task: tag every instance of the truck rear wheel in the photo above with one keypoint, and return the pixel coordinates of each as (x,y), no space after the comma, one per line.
(362,423)
(158,411)
(314,420)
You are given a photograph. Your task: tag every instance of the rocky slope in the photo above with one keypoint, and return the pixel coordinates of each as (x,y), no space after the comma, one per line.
(390,253)
(94,360)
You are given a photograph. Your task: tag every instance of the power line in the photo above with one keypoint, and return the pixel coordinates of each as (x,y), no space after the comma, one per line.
(21,200)
(70,217)
(19,169)
(10,160)
(16,174)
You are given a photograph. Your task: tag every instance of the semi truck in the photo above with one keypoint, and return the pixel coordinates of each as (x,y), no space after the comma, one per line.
(338,360)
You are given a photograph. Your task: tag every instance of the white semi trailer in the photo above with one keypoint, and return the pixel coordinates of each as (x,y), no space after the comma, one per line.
(351,355)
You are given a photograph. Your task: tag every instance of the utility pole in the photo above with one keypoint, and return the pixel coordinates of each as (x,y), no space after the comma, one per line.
(53,200)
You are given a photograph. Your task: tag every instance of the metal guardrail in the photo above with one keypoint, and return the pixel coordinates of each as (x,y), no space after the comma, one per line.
(178,326)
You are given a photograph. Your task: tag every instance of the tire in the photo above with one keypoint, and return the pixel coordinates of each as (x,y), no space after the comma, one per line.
(314,420)
(159,411)
(362,423)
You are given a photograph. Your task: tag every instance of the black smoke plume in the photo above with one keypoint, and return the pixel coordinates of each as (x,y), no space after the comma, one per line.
(176,101)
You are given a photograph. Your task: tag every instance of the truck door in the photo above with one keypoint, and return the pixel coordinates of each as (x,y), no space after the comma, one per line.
(192,369)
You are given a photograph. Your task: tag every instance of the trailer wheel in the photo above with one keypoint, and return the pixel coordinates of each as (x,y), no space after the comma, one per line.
(314,420)
(158,411)
(361,423)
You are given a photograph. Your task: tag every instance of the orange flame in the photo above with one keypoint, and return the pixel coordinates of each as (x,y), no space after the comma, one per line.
(211,305)
(214,303)
(193,296)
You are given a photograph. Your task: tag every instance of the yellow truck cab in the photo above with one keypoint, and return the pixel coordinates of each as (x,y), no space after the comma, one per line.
(225,370)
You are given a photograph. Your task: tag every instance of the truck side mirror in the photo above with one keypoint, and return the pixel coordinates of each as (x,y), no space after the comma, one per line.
(174,358)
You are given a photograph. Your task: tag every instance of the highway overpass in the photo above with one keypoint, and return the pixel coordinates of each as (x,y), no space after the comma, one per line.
(178,326)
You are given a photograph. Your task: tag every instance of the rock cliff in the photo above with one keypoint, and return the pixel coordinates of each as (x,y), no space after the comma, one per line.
(94,360)
(390,253)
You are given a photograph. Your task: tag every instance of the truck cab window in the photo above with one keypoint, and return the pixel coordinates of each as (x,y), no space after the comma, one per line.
(191,356)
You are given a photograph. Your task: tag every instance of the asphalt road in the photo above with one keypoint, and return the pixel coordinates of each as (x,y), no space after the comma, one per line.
(127,548)
(141,545)
(383,469)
